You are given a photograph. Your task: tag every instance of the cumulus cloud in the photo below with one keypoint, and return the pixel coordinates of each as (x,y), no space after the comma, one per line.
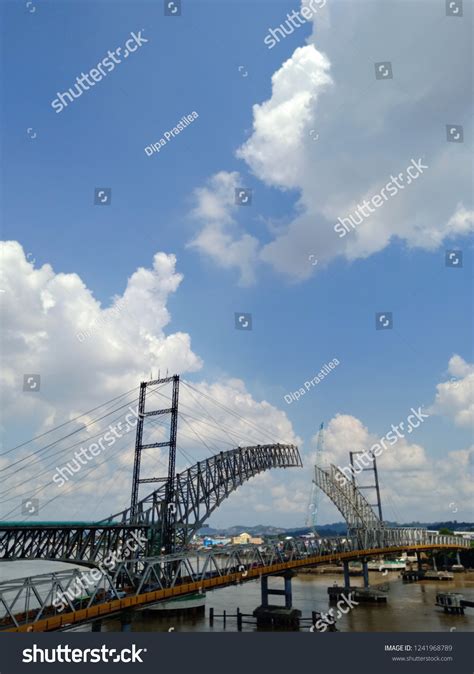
(88,354)
(78,346)
(461,223)
(369,131)
(347,433)
(414,485)
(279,500)
(220,238)
(455,397)
(276,151)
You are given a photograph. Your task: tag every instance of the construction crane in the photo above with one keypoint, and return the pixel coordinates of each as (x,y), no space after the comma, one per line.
(313,505)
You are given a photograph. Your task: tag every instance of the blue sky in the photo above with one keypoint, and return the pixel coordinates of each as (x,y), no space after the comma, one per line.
(302,317)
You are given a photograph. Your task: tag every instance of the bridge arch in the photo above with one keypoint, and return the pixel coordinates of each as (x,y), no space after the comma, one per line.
(198,491)
(348,499)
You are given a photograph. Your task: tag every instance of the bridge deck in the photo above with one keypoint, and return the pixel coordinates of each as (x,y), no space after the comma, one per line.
(107,609)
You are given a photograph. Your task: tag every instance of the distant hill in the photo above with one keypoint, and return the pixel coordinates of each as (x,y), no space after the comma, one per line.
(459,526)
(335,529)
(339,528)
(258,530)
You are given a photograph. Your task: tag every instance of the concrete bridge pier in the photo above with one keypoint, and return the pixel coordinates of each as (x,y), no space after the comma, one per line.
(365,571)
(269,615)
(286,592)
(347,580)
(458,557)
(418,560)
(435,568)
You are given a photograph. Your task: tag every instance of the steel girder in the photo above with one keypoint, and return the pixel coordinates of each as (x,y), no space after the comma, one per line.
(81,543)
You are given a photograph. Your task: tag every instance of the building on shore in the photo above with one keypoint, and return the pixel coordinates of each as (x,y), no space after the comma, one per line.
(244,539)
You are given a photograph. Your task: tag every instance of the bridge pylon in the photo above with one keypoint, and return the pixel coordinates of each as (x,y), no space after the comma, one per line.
(167,532)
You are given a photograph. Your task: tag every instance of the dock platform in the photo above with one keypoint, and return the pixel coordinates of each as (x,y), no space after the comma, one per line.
(359,594)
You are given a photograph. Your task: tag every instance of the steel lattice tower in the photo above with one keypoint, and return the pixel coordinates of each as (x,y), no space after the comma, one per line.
(375,485)
(167,534)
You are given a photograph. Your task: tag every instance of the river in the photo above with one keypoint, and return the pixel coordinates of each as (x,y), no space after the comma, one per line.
(410,607)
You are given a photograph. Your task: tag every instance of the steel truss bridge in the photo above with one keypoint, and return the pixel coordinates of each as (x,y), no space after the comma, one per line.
(30,604)
(162,525)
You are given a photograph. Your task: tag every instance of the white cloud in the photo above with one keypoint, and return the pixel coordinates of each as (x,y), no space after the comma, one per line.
(276,151)
(55,307)
(461,221)
(414,485)
(368,130)
(76,375)
(455,397)
(220,237)
(346,433)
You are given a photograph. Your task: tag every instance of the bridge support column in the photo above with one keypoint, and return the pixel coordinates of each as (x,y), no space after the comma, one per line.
(365,571)
(97,626)
(264,587)
(277,616)
(458,557)
(287,592)
(347,580)
(435,568)
(418,559)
